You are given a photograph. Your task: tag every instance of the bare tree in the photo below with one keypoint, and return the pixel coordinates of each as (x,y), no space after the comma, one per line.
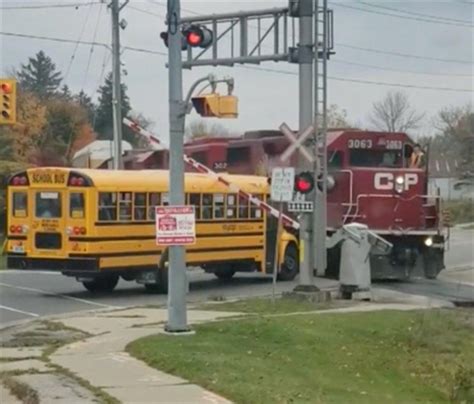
(456,136)
(201,128)
(337,117)
(395,114)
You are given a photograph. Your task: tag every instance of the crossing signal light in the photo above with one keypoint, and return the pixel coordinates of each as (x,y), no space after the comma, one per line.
(304,182)
(7,101)
(184,44)
(198,36)
(193,36)
(214,105)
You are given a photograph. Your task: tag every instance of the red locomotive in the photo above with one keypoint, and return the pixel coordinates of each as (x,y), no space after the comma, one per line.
(370,183)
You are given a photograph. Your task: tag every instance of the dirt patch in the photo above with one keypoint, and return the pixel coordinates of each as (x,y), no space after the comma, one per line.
(41,333)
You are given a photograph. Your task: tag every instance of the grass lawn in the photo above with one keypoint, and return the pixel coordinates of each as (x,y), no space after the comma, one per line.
(378,357)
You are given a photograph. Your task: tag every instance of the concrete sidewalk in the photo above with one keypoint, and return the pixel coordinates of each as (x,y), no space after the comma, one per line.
(80,371)
(102,362)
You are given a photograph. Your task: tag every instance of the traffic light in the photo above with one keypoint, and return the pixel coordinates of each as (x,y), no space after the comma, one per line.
(215,105)
(304,182)
(8,101)
(192,36)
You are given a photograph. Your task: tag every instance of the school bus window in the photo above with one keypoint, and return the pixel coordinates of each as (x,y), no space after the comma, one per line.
(207,206)
(231,210)
(256,213)
(195,199)
(154,199)
(218,206)
(20,204)
(76,205)
(125,206)
(48,205)
(243,208)
(107,206)
(165,199)
(139,210)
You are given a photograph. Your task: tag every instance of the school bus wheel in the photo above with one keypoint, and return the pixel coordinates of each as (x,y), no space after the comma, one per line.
(161,285)
(102,283)
(289,268)
(224,272)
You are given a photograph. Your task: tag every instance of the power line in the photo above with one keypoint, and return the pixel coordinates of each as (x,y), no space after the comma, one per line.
(361,81)
(43,6)
(403,17)
(347,62)
(89,59)
(414,13)
(406,55)
(48,38)
(71,61)
(146,12)
(148,51)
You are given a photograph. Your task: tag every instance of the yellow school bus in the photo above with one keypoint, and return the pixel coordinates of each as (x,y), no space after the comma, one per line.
(99,226)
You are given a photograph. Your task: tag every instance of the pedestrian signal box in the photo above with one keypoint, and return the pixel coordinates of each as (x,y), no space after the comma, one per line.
(7,101)
(216,105)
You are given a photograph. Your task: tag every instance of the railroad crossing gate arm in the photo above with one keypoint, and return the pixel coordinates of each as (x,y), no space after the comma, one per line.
(379,243)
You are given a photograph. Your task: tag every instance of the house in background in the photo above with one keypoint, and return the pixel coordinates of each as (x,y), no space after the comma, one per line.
(95,154)
(445,174)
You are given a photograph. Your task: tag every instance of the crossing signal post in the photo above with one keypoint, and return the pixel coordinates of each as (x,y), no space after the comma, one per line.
(8,95)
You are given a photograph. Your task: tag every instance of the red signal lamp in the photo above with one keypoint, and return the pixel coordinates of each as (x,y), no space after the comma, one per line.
(193,38)
(198,36)
(304,182)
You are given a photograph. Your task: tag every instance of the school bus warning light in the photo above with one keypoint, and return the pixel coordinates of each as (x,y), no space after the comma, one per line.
(7,101)
(215,105)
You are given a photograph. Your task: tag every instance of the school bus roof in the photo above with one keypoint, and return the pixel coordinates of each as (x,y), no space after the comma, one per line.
(130,179)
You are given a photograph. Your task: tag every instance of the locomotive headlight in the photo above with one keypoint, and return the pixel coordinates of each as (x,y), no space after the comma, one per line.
(399,184)
(429,241)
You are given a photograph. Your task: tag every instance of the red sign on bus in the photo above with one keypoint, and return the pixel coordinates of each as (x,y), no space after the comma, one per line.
(175,225)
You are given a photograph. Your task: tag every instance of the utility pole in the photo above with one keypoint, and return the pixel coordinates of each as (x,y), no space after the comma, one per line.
(177,282)
(323,42)
(305,62)
(116,86)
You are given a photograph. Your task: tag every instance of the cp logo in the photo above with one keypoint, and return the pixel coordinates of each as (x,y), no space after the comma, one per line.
(386,181)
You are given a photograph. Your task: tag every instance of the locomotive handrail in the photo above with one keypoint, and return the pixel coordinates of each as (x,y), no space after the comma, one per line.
(398,197)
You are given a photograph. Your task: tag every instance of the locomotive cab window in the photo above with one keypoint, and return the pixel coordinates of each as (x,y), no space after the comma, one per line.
(335,159)
(375,158)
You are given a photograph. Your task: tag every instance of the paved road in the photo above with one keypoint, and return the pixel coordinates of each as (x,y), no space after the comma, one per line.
(28,295)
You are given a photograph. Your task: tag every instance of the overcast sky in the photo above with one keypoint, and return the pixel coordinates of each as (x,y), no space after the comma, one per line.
(266,98)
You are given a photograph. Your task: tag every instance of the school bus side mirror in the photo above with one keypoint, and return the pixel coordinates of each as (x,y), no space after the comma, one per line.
(216,105)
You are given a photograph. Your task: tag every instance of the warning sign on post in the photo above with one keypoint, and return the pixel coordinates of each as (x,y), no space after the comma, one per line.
(175,225)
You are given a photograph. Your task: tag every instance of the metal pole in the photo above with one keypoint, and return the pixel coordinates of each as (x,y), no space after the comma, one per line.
(177,283)
(320,118)
(116,86)
(305,55)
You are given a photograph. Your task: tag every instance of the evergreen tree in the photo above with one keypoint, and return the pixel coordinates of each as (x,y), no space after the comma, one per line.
(104,126)
(86,102)
(40,76)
